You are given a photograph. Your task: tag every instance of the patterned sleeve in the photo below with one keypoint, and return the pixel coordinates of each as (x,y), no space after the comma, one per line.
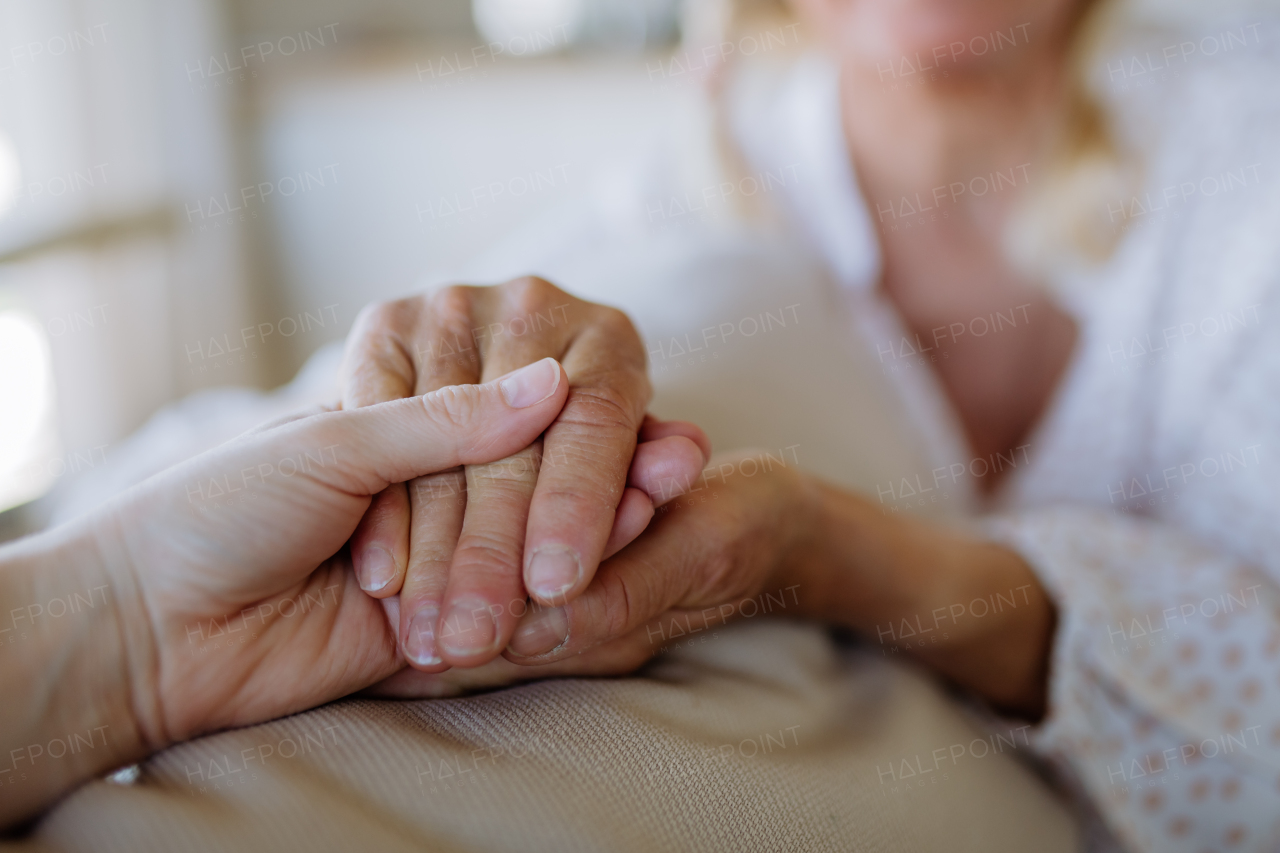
(1164,695)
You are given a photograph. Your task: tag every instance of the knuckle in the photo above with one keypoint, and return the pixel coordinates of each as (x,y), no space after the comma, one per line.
(452,304)
(383,316)
(515,474)
(376,362)
(429,560)
(445,343)
(620,608)
(489,551)
(616,322)
(454,407)
(431,555)
(582,495)
(371,318)
(632,600)
(444,486)
(604,405)
(507,493)
(532,295)
(530,289)
(616,327)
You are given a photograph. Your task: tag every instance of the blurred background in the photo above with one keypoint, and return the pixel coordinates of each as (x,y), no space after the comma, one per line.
(198,193)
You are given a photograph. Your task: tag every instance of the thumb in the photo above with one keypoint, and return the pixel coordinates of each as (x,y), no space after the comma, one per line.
(456,425)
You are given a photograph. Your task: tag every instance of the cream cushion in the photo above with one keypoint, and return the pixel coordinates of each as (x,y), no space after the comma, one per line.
(754,738)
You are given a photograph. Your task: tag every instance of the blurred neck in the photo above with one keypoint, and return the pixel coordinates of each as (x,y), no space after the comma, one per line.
(930,127)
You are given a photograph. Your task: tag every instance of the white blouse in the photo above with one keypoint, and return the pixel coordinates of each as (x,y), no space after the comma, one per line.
(1149,504)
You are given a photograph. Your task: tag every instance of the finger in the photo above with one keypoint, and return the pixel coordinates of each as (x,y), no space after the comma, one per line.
(439,501)
(375,369)
(445,353)
(457,425)
(630,590)
(376,366)
(586,457)
(382,543)
(619,657)
(654,429)
(666,468)
(634,514)
(308,412)
(485,596)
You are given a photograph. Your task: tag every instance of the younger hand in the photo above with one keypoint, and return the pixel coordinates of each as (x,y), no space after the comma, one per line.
(237,605)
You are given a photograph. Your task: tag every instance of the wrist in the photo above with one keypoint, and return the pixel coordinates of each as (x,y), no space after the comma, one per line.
(811,558)
(67,713)
(847,559)
(974,610)
(1003,624)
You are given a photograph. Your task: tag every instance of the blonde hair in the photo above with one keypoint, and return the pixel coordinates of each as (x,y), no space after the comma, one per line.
(1058,224)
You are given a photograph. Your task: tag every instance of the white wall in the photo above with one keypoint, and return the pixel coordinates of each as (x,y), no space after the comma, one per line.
(409,146)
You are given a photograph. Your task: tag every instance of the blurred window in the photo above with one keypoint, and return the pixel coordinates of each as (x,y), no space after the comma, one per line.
(90,256)
(27,438)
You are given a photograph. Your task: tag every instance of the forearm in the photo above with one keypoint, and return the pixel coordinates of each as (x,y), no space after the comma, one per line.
(65,709)
(971,609)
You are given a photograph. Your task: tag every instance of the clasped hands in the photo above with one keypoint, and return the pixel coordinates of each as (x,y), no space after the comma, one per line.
(481,510)
(497,572)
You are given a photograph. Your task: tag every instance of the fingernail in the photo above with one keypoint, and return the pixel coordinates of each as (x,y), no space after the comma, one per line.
(553,572)
(376,569)
(420,645)
(468,628)
(531,384)
(542,631)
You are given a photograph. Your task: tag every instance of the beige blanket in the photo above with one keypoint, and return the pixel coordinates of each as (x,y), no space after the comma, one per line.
(758,737)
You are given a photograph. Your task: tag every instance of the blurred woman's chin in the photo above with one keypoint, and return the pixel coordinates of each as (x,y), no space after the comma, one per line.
(884,31)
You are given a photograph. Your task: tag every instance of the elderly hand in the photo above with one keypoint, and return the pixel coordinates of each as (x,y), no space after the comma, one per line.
(463,549)
(721,552)
(756,537)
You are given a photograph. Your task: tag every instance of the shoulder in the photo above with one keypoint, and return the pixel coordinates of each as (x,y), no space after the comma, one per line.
(1208,131)
(1190,100)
